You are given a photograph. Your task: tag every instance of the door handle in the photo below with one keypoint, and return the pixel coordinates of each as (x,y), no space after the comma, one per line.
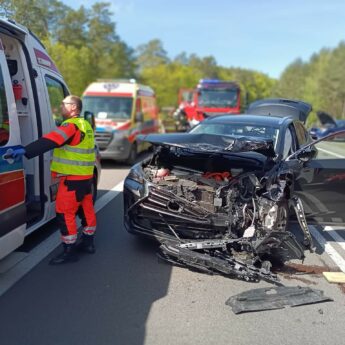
(8,156)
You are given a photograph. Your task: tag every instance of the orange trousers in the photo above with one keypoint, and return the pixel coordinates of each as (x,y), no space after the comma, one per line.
(74,198)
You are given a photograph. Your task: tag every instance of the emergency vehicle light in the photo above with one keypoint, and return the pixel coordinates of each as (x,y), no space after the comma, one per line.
(209,81)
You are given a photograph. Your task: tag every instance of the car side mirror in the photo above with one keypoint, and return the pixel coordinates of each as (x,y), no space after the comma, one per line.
(139,117)
(58,121)
(90,118)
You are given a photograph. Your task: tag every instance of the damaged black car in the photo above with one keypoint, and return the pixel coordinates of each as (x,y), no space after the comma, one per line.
(219,198)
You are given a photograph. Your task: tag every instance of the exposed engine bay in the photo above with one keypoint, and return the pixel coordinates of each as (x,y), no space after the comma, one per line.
(224,214)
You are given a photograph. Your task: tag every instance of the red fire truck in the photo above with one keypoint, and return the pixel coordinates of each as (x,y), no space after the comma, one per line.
(210,97)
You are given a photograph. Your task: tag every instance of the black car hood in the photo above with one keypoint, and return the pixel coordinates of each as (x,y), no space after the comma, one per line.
(326,119)
(212,143)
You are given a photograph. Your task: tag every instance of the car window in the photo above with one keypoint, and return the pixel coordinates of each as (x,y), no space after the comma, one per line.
(57,92)
(119,108)
(301,134)
(238,130)
(289,142)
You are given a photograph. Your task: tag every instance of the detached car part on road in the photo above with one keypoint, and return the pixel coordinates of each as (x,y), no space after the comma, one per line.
(275,298)
(328,125)
(219,197)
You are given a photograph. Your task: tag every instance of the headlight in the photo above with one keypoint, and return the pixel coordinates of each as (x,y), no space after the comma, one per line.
(118,135)
(136,174)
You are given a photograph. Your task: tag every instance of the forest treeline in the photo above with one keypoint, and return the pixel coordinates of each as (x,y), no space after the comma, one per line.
(85,46)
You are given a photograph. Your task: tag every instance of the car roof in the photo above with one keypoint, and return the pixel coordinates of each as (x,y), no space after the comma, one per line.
(262,120)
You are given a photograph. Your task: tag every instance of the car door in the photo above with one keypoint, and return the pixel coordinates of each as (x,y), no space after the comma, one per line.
(321,182)
(12,181)
(55,91)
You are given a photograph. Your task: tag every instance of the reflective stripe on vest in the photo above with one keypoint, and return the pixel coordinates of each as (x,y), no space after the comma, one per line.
(78,159)
(62,133)
(80,164)
(76,150)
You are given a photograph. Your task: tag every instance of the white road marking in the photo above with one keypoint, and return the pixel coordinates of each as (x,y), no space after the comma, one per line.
(331,153)
(36,255)
(336,237)
(328,248)
(107,197)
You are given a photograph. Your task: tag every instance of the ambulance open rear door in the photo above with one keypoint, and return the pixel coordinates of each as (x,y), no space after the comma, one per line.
(12,177)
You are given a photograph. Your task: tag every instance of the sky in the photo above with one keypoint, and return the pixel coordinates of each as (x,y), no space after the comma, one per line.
(262,35)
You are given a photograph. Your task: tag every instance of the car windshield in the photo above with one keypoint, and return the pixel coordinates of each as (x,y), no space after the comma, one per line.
(109,107)
(217,98)
(238,130)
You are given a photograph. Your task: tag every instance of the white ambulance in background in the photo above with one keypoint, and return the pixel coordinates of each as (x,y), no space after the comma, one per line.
(122,109)
(31,91)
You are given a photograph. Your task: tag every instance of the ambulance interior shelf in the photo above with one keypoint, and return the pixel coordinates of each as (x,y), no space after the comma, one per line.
(17,87)
(32,201)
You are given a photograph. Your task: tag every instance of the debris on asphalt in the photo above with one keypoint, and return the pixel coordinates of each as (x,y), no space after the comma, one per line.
(297,268)
(275,298)
(335,277)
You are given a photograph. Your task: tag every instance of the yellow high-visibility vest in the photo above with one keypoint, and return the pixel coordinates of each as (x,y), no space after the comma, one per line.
(78,159)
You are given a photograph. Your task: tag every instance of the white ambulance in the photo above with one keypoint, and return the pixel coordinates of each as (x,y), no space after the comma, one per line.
(31,90)
(123,109)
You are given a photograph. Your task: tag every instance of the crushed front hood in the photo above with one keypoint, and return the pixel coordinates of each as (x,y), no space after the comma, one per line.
(211,143)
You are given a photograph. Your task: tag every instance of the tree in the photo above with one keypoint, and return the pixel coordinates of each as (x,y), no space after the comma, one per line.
(151,54)
(206,65)
(101,29)
(167,79)
(292,81)
(6,8)
(182,59)
(71,30)
(118,63)
(332,81)
(35,18)
(74,64)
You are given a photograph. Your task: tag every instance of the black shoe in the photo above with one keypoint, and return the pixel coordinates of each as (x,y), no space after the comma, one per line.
(68,255)
(86,245)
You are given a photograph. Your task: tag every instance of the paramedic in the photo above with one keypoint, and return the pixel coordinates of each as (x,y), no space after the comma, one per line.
(72,165)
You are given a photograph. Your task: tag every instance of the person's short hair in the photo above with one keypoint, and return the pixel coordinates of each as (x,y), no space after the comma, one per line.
(78,102)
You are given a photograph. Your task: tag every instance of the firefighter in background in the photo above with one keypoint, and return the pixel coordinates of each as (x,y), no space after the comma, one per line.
(73,164)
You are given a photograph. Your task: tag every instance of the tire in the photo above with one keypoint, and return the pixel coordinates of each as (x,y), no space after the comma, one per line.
(132,154)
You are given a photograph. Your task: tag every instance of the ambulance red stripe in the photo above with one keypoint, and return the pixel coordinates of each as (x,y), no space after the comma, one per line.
(12,189)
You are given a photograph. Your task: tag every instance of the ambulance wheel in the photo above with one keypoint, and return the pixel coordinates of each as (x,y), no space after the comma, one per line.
(133,154)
